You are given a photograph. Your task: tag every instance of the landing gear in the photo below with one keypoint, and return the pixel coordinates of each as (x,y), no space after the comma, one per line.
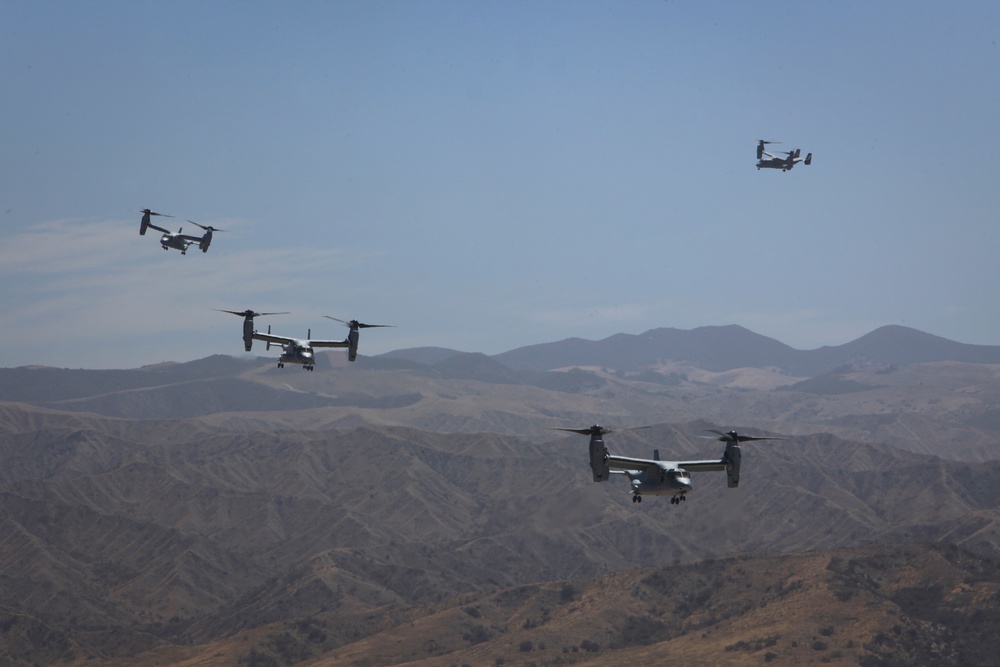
(676,500)
(308,368)
(636,498)
(281,365)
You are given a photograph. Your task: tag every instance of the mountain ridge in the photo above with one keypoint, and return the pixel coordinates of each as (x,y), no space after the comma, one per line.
(721,348)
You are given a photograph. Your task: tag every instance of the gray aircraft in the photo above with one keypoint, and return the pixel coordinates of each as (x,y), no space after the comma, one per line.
(178,241)
(783,163)
(300,350)
(656,477)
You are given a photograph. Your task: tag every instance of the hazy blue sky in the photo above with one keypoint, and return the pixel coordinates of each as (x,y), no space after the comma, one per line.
(487,175)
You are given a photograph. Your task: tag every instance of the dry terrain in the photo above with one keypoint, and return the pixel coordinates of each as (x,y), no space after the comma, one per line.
(417,508)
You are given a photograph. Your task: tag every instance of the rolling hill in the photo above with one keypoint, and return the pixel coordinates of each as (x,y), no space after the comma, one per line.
(417,507)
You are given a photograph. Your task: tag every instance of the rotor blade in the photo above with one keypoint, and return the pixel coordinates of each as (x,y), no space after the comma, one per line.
(593,430)
(360,325)
(248,313)
(206,227)
(149,212)
(733,436)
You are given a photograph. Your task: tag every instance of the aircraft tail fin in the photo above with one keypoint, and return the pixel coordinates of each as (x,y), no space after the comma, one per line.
(809,158)
(268,347)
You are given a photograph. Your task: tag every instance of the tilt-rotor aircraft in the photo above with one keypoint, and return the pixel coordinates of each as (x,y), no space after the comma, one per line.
(177,241)
(299,350)
(783,163)
(656,477)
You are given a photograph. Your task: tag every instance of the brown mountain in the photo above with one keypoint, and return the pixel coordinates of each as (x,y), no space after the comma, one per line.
(948,408)
(420,509)
(878,605)
(137,536)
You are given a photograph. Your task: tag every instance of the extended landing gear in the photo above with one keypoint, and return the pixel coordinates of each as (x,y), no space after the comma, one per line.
(308,368)
(676,500)
(636,498)
(280,365)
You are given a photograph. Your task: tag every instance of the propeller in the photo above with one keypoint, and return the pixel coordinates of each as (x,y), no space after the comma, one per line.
(733,436)
(248,312)
(354,324)
(592,431)
(146,211)
(207,228)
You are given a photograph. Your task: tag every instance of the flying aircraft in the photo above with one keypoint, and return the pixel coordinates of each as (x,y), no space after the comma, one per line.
(783,163)
(656,477)
(177,241)
(299,350)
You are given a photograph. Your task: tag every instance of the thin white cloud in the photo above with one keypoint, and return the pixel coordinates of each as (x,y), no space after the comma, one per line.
(71,283)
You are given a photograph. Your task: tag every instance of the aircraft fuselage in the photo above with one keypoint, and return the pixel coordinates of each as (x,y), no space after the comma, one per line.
(775,163)
(297,353)
(175,241)
(672,482)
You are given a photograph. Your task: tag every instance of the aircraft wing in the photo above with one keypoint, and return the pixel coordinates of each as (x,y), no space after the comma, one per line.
(767,154)
(702,466)
(271,338)
(158,228)
(329,343)
(629,463)
(192,239)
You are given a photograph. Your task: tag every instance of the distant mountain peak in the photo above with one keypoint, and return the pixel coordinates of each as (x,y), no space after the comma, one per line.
(727,347)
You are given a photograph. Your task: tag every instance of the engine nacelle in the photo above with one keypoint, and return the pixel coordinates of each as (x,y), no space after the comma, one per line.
(206,241)
(248,333)
(732,457)
(599,459)
(352,344)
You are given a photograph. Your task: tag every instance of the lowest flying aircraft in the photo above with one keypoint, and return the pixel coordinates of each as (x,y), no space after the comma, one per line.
(300,350)
(656,477)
